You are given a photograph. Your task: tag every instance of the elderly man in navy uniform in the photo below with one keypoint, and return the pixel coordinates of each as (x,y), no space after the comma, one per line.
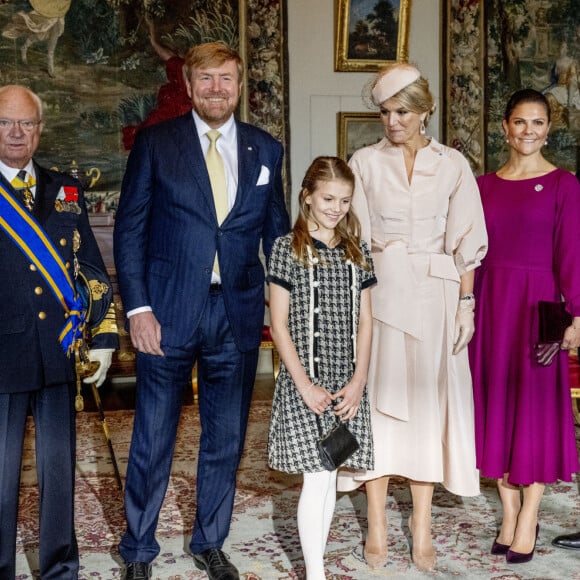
(45,244)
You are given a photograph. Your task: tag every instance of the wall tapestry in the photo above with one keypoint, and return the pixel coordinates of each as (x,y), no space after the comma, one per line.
(98,66)
(530,43)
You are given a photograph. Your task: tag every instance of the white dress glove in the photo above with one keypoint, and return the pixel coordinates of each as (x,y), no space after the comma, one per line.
(464,325)
(102,356)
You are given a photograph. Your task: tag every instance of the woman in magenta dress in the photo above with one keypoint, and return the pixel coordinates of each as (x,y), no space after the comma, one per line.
(523,409)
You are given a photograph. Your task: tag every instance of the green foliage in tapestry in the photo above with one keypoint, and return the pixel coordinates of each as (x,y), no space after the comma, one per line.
(535,46)
(94,26)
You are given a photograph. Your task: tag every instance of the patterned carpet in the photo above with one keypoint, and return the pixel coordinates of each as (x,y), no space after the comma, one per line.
(263,542)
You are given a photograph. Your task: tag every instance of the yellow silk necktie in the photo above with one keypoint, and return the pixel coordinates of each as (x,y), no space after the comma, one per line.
(217,177)
(23,183)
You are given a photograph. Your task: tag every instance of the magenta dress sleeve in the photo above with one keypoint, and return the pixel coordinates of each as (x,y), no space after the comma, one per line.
(567,241)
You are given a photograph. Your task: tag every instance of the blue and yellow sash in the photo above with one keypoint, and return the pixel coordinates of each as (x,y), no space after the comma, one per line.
(33,242)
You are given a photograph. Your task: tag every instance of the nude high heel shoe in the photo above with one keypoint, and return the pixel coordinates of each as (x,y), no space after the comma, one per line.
(424,561)
(377,559)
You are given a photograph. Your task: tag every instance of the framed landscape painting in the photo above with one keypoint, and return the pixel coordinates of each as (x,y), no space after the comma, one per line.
(371,33)
(356,130)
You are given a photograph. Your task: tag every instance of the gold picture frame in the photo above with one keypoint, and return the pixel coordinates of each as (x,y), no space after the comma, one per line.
(356,130)
(366,41)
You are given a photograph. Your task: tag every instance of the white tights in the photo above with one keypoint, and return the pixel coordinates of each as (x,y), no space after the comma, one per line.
(315,511)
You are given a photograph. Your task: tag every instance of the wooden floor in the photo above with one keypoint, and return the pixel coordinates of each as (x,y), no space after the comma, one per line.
(120,394)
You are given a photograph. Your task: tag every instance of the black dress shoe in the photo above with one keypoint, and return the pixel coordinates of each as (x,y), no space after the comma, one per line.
(568,541)
(137,571)
(216,564)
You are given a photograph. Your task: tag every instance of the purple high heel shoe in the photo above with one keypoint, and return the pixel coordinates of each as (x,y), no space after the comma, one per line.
(498,549)
(519,558)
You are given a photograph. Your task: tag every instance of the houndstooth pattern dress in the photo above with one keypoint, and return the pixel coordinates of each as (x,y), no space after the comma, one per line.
(322,321)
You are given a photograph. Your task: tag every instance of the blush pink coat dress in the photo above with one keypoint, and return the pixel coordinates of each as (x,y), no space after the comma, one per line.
(423,236)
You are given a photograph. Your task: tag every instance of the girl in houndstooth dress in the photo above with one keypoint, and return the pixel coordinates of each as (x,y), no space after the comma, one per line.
(320,277)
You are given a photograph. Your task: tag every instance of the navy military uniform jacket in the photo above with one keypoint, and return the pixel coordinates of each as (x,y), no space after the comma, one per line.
(31,318)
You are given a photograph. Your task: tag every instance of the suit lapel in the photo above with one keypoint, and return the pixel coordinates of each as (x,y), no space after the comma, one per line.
(248,164)
(192,161)
(194,168)
(9,187)
(46,192)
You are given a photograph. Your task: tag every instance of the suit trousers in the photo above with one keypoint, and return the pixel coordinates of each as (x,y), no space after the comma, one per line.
(54,421)
(225,384)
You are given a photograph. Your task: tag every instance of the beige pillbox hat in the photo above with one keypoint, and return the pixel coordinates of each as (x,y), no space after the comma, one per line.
(396,78)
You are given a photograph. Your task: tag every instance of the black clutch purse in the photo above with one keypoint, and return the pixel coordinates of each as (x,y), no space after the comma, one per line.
(554,319)
(336,446)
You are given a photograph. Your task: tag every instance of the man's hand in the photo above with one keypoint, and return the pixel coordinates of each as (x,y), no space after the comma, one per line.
(103,356)
(146,333)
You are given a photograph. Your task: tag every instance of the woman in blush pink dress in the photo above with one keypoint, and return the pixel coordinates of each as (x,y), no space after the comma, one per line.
(420,210)
(523,414)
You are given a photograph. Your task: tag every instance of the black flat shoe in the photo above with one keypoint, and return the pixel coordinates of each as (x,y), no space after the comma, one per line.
(216,564)
(137,571)
(519,558)
(567,541)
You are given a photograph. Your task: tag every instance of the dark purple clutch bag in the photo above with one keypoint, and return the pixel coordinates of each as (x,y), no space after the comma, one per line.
(554,319)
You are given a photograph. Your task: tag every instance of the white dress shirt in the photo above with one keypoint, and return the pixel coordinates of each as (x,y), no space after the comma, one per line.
(11,172)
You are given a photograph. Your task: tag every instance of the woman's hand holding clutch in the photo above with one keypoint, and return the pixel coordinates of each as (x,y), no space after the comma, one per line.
(546,352)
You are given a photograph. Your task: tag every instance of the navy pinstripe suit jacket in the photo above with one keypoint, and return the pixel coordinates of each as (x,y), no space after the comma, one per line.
(167,234)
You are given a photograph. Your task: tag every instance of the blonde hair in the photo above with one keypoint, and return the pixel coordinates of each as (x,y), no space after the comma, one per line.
(415,97)
(323,170)
(211,54)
